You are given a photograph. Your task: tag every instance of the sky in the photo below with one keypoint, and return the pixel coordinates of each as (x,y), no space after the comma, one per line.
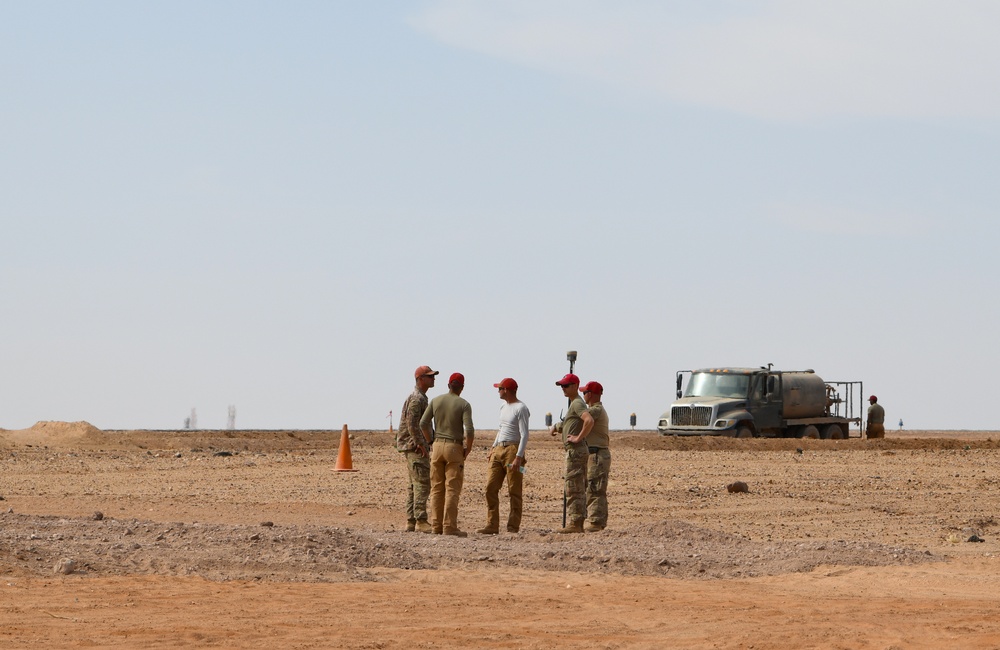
(288,207)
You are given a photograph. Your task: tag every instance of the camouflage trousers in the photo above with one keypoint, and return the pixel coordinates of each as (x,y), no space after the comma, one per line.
(418,487)
(598,468)
(576,485)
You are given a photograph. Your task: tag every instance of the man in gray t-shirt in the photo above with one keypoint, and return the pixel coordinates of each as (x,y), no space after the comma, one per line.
(506,460)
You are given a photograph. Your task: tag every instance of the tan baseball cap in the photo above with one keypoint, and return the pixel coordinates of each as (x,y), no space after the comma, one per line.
(423,371)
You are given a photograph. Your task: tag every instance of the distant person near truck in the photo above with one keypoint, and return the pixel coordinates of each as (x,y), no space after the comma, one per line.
(876,419)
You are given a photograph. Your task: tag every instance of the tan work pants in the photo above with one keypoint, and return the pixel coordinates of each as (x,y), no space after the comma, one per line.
(447,475)
(876,431)
(499,469)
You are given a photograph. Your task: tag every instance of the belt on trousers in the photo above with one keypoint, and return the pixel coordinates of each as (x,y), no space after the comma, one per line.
(457,442)
(507,444)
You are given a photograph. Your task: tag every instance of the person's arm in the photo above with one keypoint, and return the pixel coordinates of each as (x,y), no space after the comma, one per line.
(588,424)
(424,427)
(470,430)
(522,428)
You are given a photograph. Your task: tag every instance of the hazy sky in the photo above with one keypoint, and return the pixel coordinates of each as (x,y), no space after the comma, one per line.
(289,206)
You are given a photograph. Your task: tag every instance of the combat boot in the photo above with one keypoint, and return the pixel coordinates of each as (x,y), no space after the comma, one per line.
(488,531)
(423,527)
(572,528)
(593,528)
(411,525)
(456,533)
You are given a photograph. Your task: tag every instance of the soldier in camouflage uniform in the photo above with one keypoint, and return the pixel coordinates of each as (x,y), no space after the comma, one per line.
(574,429)
(599,459)
(411,442)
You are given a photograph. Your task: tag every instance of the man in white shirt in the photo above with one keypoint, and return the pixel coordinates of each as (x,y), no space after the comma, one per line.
(507,460)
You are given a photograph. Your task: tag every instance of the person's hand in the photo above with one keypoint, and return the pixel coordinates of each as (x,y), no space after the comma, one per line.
(552,430)
(516,465)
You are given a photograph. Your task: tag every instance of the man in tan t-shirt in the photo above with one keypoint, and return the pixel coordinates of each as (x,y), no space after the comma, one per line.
(598,458)
(452,438)
(574,429)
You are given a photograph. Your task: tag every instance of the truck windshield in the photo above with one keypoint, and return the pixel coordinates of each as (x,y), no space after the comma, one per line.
(704,384)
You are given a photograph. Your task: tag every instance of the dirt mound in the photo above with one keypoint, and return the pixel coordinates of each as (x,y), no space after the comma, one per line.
(310,553)
(53,434)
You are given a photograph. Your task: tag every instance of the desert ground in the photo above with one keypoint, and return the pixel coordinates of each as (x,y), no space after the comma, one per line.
(250,538)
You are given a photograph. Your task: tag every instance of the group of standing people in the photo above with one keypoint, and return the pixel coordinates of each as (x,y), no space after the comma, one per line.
(436,436)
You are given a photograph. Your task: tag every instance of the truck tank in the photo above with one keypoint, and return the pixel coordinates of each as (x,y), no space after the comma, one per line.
(803,395)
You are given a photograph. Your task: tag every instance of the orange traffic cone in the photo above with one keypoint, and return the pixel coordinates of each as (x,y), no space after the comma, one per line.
(344,455)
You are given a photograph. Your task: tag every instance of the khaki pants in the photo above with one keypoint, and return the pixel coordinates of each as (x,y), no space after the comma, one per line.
(419,473)
(447,475)
(876,431)
(500,469)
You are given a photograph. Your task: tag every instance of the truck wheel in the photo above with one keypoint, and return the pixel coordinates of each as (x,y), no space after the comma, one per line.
(833,432)
(809,432)
(743,432)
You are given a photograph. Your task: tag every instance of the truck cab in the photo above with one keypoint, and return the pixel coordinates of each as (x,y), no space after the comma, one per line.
(714,402)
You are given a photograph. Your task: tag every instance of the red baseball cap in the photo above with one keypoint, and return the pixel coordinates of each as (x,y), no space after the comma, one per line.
(424,371)
(592,387)
(457,377)
(568,379)
(872,399)
(507,383)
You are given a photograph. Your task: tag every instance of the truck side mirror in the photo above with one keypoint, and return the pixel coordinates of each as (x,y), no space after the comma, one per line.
(679,379)
(771,386)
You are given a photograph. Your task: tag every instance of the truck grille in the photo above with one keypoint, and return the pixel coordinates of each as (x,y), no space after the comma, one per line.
(686,416)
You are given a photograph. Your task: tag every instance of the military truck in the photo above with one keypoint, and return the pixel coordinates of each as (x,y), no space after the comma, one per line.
(761,402)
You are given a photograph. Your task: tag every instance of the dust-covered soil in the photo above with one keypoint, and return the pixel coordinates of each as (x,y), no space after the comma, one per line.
(238,538)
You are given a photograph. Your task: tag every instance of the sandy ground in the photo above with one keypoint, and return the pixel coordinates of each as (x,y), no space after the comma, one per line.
(249,538)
